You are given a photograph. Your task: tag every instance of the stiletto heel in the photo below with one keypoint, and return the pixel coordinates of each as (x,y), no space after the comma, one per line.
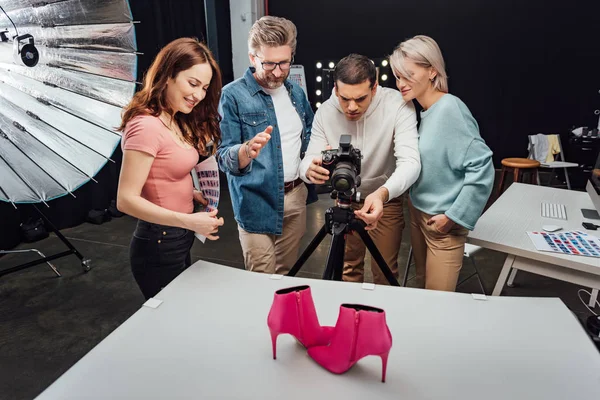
(360,331)
(384,358)
(293,312)
(274,343)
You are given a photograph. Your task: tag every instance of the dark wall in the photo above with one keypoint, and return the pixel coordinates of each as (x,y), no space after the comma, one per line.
(522,66)
(162,21)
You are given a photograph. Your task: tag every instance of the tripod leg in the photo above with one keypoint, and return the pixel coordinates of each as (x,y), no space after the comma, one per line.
(84,263)
(309,250)
(405,279)
(358,226)
(335,258)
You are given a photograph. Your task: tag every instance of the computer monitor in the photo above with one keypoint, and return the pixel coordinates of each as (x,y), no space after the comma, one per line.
(593,189)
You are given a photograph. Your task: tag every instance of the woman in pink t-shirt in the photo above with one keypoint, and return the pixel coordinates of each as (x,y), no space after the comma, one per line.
(168,126)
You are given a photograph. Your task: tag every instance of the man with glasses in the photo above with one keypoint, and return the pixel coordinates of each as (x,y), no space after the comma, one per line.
(266,124)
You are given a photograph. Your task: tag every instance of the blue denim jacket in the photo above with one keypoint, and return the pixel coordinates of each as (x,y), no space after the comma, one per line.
(257,190)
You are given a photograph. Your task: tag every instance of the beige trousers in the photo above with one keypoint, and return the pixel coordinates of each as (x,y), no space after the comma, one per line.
(272,254)
(387,237)
(438,256)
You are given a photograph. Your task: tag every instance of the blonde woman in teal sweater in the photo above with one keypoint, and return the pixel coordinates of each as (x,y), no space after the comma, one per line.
(457,173)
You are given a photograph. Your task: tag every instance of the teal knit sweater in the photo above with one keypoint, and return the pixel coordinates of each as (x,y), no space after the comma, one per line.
(457,173)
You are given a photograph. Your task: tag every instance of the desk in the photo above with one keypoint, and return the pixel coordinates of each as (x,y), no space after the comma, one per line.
(504,225)
(209,340)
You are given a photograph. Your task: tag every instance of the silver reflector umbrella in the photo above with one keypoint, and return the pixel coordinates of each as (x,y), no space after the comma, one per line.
(67,67)
(58,118)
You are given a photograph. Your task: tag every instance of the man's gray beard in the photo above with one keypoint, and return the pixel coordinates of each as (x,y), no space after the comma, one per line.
(274,84)
(270,84)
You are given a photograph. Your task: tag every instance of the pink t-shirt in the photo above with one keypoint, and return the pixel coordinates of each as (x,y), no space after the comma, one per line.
(169,182)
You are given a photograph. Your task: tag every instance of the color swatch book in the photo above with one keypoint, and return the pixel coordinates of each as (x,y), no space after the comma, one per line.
(574,242)
(205,177)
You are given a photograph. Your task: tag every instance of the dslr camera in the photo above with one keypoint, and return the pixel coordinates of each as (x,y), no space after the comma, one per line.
(343,165)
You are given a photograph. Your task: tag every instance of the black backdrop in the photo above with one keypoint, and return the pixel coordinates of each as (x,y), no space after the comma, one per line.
(160,22)
(521,66)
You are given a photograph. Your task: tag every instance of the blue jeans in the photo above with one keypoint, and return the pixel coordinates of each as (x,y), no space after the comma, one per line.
(158,254)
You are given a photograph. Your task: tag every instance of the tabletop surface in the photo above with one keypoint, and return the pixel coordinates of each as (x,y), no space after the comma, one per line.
(209,339)
(504,226)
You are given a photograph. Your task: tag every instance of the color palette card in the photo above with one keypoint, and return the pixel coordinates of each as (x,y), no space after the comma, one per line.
(574,243)
(205,177)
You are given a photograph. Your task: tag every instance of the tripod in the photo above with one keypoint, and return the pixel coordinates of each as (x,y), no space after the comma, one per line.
(339,221)
(85,263)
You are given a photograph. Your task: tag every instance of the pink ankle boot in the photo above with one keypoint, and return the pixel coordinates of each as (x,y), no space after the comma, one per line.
(293,312)
(360,331)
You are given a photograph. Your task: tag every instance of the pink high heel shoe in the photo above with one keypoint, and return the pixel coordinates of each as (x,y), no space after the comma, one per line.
(293,312)
(360,331)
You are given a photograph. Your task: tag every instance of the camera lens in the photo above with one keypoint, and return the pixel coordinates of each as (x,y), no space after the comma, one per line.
(342,184)
(344,177)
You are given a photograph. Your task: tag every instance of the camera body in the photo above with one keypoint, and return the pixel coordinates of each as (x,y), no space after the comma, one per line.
(344,165)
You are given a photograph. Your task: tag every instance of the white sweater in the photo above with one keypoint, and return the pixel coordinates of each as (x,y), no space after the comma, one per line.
(386,135)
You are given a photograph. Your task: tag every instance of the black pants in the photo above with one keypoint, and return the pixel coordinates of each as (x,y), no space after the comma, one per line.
(158,254)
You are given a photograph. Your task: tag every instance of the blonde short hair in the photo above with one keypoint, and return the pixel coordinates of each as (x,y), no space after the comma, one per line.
(423,51)
(272,31)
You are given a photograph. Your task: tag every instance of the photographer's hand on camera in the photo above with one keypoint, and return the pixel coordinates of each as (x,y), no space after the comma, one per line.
(315,173)
(441,223)
(204,223)
(251,149)
(372,209)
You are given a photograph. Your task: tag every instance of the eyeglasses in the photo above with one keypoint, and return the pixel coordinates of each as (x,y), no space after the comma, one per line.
(270,66)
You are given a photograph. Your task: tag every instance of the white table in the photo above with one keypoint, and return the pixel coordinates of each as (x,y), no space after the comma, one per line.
(504,225)
(209,340)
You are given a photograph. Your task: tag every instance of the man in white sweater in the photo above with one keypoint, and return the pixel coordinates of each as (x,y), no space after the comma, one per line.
(384,128)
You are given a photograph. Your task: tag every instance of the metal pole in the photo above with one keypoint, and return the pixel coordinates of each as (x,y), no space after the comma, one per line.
(210,13)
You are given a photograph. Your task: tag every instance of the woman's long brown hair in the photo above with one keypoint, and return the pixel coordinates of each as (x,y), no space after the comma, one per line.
(201,125)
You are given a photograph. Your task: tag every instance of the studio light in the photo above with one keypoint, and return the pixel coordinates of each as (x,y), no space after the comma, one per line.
(324,80)
(24,50)
(384,63)
(384,77)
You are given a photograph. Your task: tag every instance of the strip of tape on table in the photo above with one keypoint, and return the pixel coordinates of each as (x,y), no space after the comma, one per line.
(153,303)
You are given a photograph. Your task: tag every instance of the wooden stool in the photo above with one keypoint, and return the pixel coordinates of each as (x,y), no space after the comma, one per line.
(517,166)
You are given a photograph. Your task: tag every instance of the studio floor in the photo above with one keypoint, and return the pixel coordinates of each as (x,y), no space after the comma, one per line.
(48,323)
